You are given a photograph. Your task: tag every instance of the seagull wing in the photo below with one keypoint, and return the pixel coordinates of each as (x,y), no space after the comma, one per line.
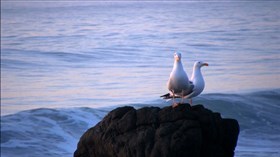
(190,90)
(170,96)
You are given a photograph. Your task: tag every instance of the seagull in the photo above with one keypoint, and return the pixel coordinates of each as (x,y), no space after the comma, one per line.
(196,81)
(178,83)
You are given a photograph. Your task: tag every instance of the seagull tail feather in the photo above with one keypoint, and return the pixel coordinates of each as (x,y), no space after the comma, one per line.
(169,96)
(166,96)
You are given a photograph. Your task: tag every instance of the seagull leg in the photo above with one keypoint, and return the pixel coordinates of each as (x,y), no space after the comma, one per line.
(174,103)
(173,96)
(190,101)
(182,97)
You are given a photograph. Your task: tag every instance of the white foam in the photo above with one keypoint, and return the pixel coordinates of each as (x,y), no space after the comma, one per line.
(46,132)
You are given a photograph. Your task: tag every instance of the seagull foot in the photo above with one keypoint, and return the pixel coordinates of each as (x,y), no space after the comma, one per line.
(175,105)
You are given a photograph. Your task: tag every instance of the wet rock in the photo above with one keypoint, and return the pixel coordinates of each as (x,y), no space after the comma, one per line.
(154,132)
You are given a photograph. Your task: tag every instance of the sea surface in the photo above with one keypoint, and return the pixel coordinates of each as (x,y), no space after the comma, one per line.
(66,64)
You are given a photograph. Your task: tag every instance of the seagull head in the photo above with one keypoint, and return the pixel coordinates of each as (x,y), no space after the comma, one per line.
(199,64)
(177,56)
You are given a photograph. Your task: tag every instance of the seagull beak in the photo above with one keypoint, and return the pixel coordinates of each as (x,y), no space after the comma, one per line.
(205,64)
(177,58)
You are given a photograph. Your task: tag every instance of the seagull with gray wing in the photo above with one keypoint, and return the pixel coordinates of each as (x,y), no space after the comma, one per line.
(178,83)
(196,84)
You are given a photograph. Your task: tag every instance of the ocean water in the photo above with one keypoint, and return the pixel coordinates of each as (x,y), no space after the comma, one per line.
(65,65)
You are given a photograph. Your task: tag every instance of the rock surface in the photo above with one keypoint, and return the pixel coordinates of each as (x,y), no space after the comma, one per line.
(154,132)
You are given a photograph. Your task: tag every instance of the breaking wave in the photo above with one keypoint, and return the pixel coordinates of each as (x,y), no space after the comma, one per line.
(56,132)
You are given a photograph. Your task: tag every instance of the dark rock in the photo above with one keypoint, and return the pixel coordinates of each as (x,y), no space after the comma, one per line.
(154,132)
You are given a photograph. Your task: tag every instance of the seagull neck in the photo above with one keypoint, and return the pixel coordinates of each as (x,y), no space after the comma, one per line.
(177,65)
(196,73)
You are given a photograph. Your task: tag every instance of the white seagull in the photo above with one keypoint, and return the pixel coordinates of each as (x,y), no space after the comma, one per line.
(196,82)
(178,83)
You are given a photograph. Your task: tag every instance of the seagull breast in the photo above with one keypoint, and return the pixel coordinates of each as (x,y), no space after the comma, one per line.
(178,80)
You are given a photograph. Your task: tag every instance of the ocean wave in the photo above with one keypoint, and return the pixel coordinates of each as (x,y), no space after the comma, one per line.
(46,132)
(55,132)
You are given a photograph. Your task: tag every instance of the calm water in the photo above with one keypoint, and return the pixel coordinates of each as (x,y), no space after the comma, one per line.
(58,55)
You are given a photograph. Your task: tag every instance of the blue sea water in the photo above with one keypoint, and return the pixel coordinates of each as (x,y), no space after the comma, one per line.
(65,65)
